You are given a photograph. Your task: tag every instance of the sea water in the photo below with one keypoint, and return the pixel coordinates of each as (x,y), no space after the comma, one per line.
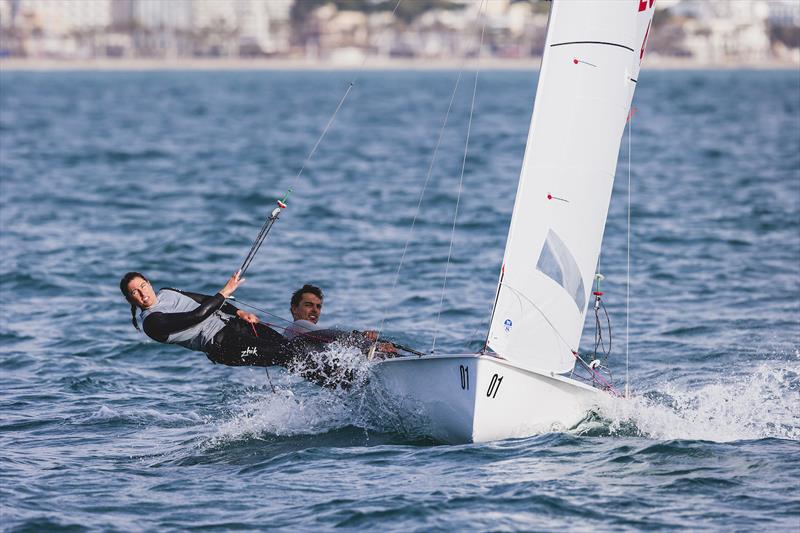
(172,173)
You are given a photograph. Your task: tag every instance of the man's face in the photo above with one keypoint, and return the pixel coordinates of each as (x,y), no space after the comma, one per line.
(309,308)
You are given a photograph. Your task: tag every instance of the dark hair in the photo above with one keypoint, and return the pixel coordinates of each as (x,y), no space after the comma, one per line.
(123,286)
(298,294)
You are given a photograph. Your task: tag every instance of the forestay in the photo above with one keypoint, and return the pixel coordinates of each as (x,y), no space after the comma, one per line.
(586,82)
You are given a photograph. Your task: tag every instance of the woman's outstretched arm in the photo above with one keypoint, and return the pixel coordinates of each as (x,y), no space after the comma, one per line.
(158,326)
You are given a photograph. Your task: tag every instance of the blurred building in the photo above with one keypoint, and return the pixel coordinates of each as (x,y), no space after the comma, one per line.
(720,32)
(51,27)
(151,28)
(346,31)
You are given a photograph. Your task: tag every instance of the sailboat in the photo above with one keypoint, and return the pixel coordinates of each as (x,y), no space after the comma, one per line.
(520,383)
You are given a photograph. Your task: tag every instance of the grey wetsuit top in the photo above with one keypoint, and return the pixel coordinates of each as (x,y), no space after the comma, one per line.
(176,324)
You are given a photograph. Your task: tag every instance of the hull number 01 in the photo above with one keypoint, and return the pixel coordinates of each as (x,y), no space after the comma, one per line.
(494,386)
(464,377)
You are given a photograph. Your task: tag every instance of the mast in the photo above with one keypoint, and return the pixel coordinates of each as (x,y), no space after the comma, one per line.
(589,71)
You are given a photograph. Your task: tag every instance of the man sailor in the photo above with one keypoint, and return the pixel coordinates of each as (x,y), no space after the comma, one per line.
(306,308)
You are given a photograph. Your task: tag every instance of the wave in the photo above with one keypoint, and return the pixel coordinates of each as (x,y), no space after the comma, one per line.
(140,416)
(758,405)
(278,411)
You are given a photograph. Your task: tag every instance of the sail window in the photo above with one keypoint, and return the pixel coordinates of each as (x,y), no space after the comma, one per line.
(557,263)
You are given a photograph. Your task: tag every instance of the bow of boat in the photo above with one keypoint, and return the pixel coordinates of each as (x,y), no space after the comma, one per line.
(478,398)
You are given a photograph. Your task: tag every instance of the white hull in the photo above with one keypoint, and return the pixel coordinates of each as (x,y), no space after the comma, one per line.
(479,398)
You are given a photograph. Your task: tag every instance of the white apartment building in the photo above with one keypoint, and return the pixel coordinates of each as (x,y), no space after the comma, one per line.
(60,17)
(152,14)
(719,32)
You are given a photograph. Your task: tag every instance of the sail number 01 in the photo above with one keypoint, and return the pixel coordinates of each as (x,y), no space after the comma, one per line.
(464,370)
(494,383)
(494,386)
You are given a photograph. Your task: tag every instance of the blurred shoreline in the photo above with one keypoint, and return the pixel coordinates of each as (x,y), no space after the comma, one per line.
(652,63)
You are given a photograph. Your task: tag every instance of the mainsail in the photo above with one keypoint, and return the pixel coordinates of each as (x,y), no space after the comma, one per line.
(586,82)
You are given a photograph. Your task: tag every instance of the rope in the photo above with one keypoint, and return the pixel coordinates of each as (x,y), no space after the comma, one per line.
(308,334)
(262,235)
(421,196)
(267,226)
(599,340)
(520,294)
(628,271)
(460,182)
(596,375)
(269,378)
(338,107)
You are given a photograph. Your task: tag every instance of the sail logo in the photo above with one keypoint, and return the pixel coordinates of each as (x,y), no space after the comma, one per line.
(249,351)
(507,324)
(643,4)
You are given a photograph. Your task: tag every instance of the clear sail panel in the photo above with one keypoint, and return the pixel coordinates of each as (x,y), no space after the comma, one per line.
(558,263)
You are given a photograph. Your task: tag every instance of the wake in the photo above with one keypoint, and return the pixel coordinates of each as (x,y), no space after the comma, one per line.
(762,404)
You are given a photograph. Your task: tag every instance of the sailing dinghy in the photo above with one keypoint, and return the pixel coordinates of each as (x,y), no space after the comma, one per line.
(520,383)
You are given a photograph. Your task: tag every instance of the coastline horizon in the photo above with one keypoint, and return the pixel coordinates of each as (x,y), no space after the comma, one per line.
(207,64)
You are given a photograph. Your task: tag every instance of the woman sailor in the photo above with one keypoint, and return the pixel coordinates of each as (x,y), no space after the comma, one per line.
(208,324)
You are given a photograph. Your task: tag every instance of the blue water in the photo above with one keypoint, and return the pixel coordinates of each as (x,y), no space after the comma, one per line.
(172,173)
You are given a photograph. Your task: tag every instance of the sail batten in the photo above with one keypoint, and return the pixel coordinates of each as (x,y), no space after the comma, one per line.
(593,42)
(586,84)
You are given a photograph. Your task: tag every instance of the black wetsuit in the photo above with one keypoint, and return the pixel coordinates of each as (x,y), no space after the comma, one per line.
(213,328)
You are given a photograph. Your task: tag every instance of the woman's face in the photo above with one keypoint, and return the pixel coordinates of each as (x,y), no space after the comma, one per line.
(141,292)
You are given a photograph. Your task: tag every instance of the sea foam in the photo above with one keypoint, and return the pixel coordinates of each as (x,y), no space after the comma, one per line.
(759,404)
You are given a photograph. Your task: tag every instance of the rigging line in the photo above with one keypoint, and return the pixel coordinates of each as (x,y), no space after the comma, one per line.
(262,235)
(628,271)
(460,180)
(422,195)
(338,107)
(327,127)
(251,306)
(309,333)
(520,294)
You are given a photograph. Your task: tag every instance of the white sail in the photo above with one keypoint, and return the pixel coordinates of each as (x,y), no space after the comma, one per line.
(586,82)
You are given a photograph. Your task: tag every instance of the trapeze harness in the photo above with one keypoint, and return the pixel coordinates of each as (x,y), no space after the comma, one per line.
(209,324)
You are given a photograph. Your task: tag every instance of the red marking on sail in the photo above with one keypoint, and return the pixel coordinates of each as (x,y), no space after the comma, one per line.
(630,114)
(644,42)
(576,61)
(551,197)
